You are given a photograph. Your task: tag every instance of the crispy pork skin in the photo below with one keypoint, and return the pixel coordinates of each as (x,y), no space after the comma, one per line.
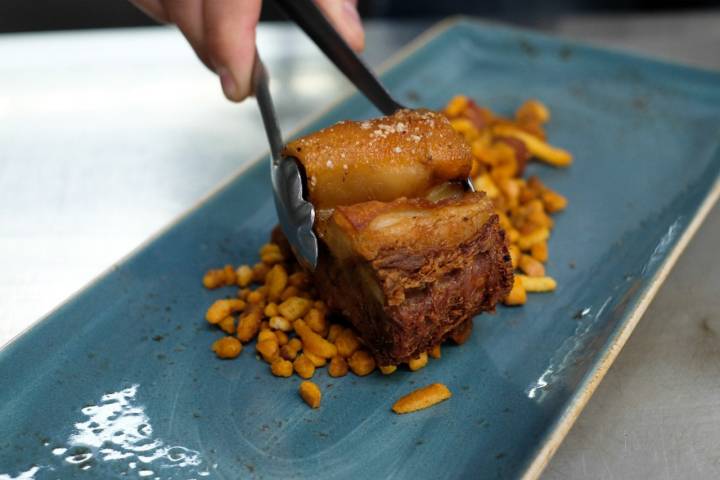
(401,155)
(407,272)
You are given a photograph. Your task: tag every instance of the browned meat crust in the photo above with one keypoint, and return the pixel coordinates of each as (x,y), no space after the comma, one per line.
(408,272)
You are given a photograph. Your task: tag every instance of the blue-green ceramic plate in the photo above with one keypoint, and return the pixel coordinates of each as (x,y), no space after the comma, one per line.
(120,381)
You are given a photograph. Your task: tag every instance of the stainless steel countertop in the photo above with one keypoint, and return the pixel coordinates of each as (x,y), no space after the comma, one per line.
(107,136)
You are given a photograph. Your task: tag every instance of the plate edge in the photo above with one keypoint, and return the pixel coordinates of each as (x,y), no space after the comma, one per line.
(596,375)
(397,57)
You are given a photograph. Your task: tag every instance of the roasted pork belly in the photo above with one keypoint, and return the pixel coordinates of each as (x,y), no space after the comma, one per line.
(401,155)
(406,255)
(407,272)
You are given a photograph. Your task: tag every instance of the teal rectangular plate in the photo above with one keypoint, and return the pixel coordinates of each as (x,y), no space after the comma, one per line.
(120,380)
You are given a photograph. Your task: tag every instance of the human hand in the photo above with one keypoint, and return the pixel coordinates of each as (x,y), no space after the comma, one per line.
(222,33)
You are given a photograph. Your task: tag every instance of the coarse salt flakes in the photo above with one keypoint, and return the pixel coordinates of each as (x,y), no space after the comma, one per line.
(365,125)
(397,149)
(329,164)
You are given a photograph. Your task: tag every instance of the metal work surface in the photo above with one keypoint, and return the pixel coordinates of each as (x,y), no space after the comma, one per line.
(107,136)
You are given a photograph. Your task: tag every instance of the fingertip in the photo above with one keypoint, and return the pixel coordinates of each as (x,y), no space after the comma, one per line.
(357,41)
(232,61)
(352,26)
(345,18)
(228,84)
(235,79)
(229,38)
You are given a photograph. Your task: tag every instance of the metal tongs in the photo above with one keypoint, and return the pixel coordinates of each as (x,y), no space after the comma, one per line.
(295,213)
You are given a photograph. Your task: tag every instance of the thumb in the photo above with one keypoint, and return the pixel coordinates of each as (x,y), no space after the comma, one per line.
(344,17)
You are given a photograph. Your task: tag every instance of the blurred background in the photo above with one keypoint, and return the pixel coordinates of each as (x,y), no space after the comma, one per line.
(38,15)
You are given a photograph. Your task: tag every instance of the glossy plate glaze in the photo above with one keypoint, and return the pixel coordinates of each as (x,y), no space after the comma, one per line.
(120,381)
